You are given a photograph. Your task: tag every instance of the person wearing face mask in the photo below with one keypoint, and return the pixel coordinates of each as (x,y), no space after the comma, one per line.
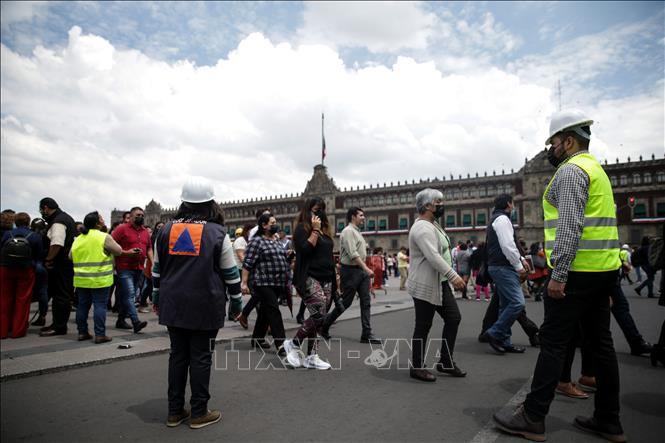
(430,276)
(314,278)
(508,269)
(60,234)
(131,236)
(267,266)
(582,251)
(92,254)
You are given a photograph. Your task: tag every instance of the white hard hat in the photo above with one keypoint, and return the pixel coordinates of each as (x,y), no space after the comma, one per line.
(626,247)
(570,119)
(197,190)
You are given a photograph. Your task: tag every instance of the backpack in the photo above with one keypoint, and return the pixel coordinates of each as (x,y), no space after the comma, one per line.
(17,251)
(656,254)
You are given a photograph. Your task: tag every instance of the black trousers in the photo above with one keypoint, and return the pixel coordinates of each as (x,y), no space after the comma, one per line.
(492,314)
(354,280)
(191,351)
(587,357)
(61,292)
(449,312)
(586,303)
(269,314)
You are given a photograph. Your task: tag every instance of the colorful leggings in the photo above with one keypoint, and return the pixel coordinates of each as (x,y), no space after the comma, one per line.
(316,297)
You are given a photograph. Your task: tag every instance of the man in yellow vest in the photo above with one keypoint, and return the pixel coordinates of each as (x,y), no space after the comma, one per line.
(582,250)
(92,254)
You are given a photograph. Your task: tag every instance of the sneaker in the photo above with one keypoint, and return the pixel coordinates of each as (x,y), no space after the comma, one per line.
(314,362)
(293,354)
(570,390)
(145,311)
(613,433)
(516,422)
(210,418)
(174,420)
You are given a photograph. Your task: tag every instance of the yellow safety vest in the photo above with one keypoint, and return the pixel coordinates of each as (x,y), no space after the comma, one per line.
(93,268)
(598,249)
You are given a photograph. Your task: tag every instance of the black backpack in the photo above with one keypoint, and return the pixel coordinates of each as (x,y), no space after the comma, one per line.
(17,251)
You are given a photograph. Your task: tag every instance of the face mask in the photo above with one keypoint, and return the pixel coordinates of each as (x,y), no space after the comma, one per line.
(138,221)
(438,211)
(552,158)
(273,229)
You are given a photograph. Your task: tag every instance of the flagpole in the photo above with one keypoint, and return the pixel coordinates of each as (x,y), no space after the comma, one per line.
(323,142)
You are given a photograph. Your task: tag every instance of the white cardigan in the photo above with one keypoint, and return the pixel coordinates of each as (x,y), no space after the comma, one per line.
(426,265)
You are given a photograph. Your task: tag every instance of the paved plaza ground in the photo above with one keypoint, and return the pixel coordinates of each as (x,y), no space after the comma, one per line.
(120,395)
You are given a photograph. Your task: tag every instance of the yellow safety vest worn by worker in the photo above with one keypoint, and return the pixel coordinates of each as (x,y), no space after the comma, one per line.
(598,249)
(93,268)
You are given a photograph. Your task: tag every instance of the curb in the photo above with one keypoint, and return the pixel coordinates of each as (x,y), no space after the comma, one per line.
(149,353)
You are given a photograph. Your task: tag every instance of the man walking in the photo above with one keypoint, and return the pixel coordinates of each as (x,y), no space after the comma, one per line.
(61,231)
(582,248)
(131,236)
(507,268)
(354,276)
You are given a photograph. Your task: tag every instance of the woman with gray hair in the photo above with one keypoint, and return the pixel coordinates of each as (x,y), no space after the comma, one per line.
(430,277)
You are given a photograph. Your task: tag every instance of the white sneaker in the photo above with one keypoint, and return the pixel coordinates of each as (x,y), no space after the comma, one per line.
(314,362)
(294,355)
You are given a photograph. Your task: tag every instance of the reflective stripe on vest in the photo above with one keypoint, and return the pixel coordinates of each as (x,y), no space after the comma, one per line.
(598,248)
(93,268)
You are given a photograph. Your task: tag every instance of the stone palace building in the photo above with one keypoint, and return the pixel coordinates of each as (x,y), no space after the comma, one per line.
(390,207)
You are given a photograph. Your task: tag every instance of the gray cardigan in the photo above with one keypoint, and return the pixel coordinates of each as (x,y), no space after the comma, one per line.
(426,264)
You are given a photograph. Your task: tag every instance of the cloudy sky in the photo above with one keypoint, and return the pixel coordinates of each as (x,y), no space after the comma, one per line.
(109,104)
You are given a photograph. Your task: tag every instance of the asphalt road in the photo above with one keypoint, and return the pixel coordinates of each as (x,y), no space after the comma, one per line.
(126,400)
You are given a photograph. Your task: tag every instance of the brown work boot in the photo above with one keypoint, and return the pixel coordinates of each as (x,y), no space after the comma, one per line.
(102,339)
(210,418)
(174,420)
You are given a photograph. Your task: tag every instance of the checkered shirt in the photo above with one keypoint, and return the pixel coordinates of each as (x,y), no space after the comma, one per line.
(569,194)
(266,261)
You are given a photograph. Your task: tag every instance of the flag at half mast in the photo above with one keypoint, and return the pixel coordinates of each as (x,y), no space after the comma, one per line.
(323,142)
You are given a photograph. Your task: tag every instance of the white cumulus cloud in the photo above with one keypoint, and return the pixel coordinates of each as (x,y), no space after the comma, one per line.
(96,126)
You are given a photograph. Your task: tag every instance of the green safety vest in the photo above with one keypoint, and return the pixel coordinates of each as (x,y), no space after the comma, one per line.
(93,268)
(598,249)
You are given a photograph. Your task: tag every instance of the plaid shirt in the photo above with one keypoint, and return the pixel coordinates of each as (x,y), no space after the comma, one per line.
(569,194)
(266,261)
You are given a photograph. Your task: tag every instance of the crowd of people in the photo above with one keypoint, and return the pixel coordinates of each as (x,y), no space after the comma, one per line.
(191,269)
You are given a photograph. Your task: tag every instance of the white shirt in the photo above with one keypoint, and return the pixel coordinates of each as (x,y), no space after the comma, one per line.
(506,234)
(239,244)
(57,233)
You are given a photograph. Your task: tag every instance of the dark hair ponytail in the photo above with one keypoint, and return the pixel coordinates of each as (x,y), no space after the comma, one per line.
(90,221)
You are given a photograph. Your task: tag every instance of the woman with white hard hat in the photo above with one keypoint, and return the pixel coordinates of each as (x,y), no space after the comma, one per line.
(194,269)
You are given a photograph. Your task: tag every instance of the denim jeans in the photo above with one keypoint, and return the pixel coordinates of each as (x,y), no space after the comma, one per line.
(511,301)
(651,274)
(97,297)
(621,310)
(128,283)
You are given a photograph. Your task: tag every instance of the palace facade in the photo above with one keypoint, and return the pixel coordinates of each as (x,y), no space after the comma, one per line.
(390,207)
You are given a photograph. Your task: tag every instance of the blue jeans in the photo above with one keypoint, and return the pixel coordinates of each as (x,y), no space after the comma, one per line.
(98,297)
(128,283)
(511,301)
